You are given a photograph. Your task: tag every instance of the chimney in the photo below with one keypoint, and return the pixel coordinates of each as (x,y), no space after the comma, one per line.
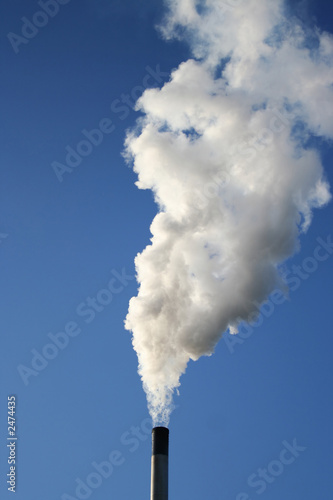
(159,464)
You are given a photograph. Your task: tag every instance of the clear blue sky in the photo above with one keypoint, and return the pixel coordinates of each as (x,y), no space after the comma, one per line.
(63,243)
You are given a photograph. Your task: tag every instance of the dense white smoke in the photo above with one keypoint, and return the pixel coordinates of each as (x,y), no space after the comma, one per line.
(225,148)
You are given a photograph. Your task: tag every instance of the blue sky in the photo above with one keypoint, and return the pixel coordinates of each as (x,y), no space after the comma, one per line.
(63,243)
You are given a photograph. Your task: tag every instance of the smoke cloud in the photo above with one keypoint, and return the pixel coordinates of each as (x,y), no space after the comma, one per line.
(228,147)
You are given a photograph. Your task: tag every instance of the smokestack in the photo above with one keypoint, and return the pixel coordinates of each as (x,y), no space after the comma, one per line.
(159,464)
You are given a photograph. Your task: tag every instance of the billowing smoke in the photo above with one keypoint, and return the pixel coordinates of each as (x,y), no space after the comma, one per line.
(228,148)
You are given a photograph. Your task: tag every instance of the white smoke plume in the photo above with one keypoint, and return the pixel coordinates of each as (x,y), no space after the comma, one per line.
(225,146)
